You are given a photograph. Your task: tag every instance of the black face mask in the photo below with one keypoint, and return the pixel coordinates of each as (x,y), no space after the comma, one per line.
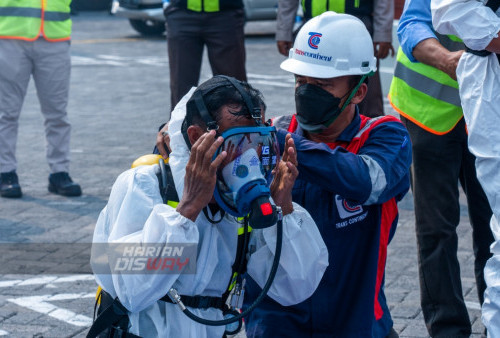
(316,108)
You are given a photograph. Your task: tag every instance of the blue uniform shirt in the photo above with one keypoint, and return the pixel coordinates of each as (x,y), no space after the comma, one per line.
(344,193)
(415,25)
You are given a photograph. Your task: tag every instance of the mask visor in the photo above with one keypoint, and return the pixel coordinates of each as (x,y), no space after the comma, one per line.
(246,173)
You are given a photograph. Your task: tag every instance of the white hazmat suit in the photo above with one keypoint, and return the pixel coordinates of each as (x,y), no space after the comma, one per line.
(135,214)
(479,85)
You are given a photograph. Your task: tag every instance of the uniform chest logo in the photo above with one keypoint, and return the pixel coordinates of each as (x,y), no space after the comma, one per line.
(347,209)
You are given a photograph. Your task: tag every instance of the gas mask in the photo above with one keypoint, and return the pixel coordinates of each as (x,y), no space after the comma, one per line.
(243,179)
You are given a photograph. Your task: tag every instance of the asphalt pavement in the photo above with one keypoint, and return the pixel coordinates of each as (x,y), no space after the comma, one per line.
(119,96)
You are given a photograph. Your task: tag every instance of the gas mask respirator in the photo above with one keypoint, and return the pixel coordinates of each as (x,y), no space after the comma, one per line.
(241,188)
(243,179)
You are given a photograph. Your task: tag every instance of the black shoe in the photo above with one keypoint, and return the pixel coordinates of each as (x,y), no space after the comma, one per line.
(60,183)
(9,185)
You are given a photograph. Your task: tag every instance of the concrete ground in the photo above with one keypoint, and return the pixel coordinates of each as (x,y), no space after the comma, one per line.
(119,96)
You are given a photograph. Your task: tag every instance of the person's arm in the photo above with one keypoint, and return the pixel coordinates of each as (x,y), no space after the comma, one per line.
(415,26)
(432,53)
(303,261)
(383,19)
(304,256)
(471,21)
(419,42)
(376,174)
(287,10)
(135,214)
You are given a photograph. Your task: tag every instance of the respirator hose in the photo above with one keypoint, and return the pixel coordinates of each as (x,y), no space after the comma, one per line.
(263,293)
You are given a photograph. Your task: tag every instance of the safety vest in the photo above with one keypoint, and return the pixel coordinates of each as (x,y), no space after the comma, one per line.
(425,95)
(29,19)
(312,8)
(207,5)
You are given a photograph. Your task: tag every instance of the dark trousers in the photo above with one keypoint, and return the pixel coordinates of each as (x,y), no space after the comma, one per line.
(187,34)
(439,163)
(373,103)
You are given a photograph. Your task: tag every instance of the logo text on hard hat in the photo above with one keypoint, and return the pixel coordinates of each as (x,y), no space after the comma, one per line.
(313,55)
(314,39)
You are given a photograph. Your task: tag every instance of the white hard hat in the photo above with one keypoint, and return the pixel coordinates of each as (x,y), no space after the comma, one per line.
(332,45)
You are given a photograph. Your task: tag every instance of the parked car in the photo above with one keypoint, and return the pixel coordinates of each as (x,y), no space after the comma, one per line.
(146,16)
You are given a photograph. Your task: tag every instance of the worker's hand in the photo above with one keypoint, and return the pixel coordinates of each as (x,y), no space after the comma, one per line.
(284,47)
(163,141)
(450,63)
(382,49)
(199,182)
(285,174)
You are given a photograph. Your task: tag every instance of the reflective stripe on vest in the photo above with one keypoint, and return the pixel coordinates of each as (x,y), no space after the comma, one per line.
(425,95)
(318,7)
(28,19)
(203,5)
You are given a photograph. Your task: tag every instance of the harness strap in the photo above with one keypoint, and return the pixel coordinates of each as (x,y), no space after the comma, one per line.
(114,317)
(240,262)
(167,187)
(199,302)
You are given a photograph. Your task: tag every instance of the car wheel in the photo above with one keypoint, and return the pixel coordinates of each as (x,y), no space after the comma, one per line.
(148,27)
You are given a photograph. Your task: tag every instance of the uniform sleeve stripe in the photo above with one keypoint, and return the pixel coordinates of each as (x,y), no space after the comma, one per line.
(377,177)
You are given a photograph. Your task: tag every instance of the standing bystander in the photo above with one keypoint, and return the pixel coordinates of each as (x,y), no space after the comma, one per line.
(34,41)
(191,25)
(478,74)
(424,91)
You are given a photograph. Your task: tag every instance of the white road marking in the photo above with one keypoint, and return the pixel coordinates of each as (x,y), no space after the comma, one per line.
(45,280)
(272,83)
(86,61)
(271,77)
(118,61)
(41,304)
(3,333)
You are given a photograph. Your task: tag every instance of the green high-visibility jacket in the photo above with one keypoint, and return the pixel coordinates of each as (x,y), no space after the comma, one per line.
(425,95)
(207,5)
(312,8)
(29,19)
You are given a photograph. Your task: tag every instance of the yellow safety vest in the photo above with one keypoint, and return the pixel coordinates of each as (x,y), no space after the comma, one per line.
(29,19)
(312,8)
(425,95)
(203,5)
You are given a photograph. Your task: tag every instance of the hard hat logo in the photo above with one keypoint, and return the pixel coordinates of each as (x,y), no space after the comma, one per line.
(314,39)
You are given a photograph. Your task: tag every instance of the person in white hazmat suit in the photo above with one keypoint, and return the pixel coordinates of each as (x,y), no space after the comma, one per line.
(477,23)
(135,213)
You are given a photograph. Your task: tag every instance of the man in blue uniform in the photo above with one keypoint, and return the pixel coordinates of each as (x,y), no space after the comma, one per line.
(352,172)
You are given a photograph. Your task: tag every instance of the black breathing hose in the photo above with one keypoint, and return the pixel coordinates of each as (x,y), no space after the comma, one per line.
(263,293)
